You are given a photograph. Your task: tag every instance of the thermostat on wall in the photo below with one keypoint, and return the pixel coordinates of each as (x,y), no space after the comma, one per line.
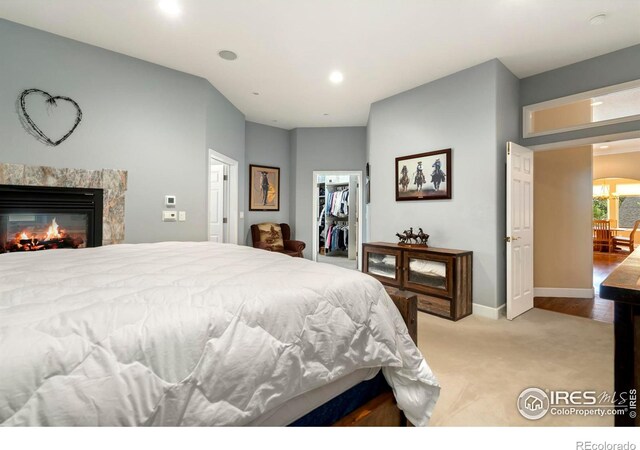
(169,200)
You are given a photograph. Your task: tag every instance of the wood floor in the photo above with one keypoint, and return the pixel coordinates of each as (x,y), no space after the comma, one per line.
(596,308)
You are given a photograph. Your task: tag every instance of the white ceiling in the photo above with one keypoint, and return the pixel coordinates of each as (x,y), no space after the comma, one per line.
(287,48)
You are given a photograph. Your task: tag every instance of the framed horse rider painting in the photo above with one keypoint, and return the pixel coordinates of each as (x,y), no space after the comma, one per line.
(264,188)
(424,176)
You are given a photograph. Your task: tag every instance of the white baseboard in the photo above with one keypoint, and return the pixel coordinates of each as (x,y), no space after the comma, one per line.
(488,311)
(563,292)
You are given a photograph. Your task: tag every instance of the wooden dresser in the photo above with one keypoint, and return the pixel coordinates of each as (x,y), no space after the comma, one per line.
(441,278)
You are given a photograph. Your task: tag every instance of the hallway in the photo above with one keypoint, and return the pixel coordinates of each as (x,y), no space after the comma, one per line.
(596,308)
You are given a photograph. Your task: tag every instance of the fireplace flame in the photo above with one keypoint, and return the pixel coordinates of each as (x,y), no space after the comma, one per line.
(54,237)
(54,231)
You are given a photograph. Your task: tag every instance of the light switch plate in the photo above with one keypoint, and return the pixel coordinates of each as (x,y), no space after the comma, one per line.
(169,216)
(182,216)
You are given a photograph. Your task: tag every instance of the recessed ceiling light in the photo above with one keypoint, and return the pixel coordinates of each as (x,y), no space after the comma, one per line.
(336,77)
(598,19)
(596,103)
(170,7)
(228,55)
(604,146)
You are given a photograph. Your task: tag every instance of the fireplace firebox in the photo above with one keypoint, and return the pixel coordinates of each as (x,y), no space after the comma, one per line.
(45,218)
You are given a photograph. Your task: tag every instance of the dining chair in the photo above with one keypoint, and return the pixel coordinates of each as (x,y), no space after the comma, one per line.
(623,241)
(602,236)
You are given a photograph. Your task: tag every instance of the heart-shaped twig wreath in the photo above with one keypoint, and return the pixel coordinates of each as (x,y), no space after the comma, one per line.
(51,100)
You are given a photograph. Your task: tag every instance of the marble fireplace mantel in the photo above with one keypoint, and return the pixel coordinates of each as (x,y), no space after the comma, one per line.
(113,183)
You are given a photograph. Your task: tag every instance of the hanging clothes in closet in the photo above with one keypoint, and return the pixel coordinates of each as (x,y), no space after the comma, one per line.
(337,237)
(337,203)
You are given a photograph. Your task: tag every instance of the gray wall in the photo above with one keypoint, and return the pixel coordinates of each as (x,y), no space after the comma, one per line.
(606,70)
(312,149)
(470,112)
(507,129)
(155,122)
(268,146)
(225,133)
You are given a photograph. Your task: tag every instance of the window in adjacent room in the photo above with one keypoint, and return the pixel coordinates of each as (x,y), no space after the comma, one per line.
(600,200)
(628,204)
(600,209)
(617,200)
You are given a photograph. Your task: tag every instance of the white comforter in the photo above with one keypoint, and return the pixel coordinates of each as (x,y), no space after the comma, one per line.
(190,334)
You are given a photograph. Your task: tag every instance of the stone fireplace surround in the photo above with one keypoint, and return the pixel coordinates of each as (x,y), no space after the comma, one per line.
(113,182)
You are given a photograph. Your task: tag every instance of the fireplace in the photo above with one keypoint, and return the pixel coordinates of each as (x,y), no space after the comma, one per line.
(45,218)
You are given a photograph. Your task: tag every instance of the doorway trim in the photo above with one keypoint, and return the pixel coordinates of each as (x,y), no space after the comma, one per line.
(577,292)
(585,141)
(234,184)
(314,220)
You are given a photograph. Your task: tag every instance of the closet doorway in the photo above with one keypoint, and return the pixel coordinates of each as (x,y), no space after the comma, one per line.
(337,229)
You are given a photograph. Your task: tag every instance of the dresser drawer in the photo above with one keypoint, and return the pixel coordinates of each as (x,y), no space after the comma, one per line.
(434,305)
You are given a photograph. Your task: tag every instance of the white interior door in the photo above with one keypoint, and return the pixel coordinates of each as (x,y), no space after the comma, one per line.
(216,206)
(225,211)
(519,230)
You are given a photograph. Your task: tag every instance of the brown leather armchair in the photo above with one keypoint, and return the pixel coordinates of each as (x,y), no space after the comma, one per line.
(291,247)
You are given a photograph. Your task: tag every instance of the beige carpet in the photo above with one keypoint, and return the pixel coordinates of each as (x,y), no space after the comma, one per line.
(340,261)
(484,364)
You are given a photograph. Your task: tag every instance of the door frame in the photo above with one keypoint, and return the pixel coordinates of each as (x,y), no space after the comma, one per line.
(576,293)
(314,219)
(584,141)
(233,195)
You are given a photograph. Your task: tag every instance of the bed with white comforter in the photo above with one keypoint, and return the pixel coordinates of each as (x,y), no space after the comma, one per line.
(190,334)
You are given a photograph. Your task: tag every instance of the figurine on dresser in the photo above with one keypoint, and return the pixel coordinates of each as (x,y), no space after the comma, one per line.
(408,237)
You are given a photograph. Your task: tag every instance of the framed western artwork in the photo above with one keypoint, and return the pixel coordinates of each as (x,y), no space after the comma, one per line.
(264,188)
(424,176)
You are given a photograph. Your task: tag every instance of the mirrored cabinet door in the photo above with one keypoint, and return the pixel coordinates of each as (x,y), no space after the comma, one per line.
(428,273)
(383,264)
